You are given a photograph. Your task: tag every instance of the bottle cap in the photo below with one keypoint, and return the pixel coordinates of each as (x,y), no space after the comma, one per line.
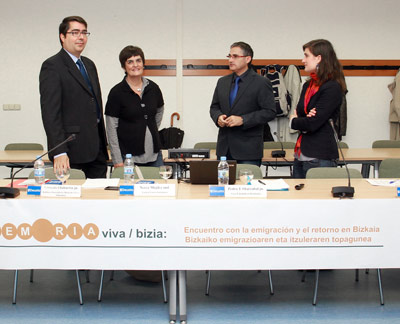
(223,158)
(128,156)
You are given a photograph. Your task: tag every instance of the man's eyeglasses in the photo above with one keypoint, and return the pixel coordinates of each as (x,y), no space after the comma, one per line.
(235,56)
(77,33)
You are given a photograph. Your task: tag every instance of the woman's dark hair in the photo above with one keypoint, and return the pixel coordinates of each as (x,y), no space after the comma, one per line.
(128,52)
(329,68)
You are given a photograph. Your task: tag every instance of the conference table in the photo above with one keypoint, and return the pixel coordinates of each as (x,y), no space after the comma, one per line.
(367,157)
(293,229)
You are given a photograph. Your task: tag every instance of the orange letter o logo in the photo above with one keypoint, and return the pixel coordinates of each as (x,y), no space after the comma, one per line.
(42,230)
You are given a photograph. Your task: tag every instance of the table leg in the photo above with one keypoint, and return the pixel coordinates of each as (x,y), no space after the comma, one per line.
(376,169)
(172,295)
(365,168)
(182,296)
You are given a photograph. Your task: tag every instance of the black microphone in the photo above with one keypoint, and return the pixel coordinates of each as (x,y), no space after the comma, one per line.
(278,153)
(341,191)
(11,192)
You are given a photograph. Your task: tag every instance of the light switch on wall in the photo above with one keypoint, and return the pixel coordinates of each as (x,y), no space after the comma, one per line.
(11,107)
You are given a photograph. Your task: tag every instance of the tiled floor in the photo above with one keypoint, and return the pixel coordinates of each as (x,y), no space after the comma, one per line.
(235,297)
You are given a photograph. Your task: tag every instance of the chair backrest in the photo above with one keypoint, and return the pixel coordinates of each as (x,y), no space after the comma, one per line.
(332,173)
(277,145)
(23,146)
(386,144)
(343,145)
(148,172)
(206,145)
(49,174)
(389,168)
(254,168)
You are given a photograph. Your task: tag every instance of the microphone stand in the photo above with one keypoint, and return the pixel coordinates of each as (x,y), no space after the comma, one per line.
(278,153)
(342,191)
(11,192)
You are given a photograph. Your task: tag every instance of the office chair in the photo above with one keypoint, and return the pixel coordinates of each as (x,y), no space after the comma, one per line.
(206,145)
(337,173)
(332,173)
(21,147)
(389,168)
(386,144)
(257,174)
(49,174)
(147,173)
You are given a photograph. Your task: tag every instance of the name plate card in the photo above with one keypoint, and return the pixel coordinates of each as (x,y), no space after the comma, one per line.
(61,191)
(155,190)
(245,192)
(236,191)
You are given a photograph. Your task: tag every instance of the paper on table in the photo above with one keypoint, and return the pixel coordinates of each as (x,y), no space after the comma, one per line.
(272,185)
(28,182)
(385,182)
(100,183)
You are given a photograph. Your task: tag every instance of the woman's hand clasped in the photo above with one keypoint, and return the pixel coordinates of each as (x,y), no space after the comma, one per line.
(312,112)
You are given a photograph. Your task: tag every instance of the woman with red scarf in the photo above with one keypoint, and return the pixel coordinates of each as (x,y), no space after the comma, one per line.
(320,101)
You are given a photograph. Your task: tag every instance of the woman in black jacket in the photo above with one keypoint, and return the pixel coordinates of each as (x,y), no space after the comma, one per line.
(320,101)
(134,110)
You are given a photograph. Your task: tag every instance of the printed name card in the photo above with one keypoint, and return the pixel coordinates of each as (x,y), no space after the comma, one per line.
(155,190)
(238,191)
(55,191)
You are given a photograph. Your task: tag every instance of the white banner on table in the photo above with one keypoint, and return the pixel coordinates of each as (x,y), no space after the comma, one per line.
(199,234)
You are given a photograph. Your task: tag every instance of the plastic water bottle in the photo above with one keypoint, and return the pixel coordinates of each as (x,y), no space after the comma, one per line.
(129,169)
(223,172)
(39,171)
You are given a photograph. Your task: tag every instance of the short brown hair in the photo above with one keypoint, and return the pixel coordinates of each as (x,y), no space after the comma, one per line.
(128,52)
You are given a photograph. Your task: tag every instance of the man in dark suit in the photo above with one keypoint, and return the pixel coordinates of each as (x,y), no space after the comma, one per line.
(243,103)
(71,103)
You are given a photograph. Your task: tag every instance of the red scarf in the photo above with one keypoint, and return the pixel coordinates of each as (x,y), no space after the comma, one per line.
(311,90)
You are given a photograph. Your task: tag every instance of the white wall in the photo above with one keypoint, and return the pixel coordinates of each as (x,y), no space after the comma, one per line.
(167,29)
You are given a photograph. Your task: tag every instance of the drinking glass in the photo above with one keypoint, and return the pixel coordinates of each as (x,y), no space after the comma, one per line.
(62,175)
(246,176)
(165,172)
